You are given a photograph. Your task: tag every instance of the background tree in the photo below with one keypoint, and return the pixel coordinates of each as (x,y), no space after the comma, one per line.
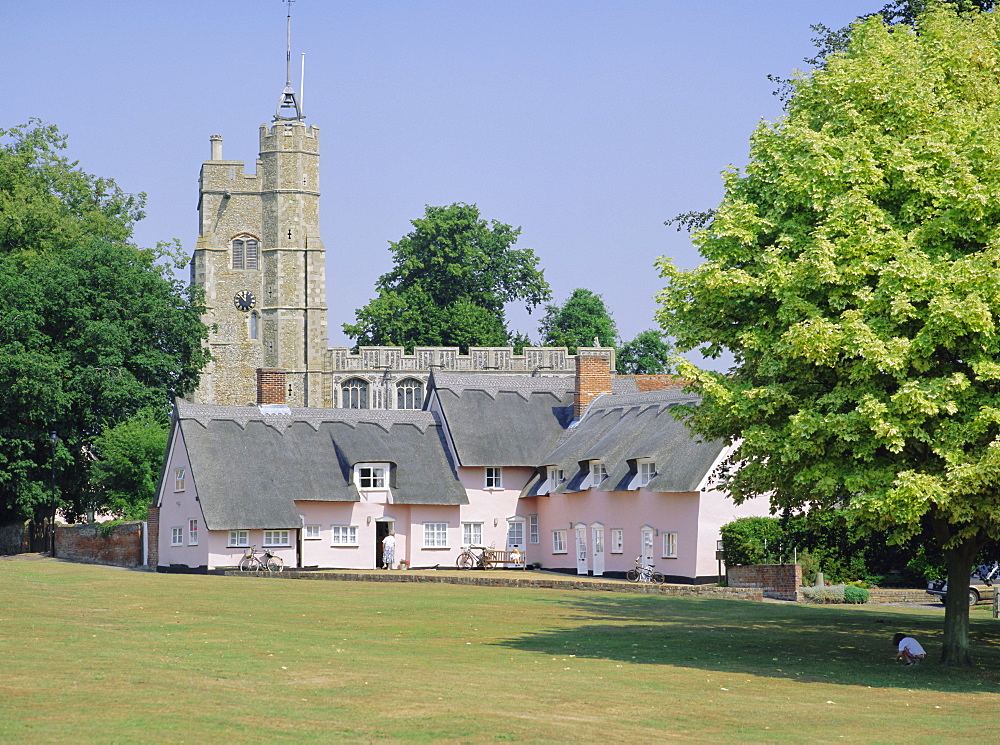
(577,322)
(90,330)
(453,275)
(130,455)
(851,270)
(649,353)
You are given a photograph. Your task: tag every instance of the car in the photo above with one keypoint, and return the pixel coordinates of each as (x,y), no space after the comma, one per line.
(981,587)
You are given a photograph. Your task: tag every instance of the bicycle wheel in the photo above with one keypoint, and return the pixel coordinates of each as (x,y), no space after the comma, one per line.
(657,578)
(275,564)
(632,575)
(248,563)
(465,560)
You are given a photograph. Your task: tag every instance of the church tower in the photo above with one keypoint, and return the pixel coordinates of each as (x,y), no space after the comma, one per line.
(261,262)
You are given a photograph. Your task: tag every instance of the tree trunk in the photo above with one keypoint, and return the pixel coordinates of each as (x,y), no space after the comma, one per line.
(955,647)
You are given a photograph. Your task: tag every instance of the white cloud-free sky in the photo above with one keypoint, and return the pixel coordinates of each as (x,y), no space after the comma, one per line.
(586,122)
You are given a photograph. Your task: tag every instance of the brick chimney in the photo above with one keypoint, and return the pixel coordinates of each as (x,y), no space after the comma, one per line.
(593,377)
(270,386)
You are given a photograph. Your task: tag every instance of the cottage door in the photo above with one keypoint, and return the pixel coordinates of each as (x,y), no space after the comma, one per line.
(597,541)
(382,528)
(647,544)
(581,549)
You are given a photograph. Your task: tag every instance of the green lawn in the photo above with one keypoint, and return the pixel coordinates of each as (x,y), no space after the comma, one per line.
(108,655)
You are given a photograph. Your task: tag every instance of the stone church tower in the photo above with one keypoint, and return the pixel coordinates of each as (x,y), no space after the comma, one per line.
(261,262)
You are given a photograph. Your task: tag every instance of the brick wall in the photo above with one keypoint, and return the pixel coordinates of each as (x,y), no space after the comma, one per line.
(780,581)
(86,545)
(271,386)
(153,535)
(593,378)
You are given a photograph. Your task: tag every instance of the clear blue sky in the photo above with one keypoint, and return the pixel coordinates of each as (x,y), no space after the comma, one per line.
(586,122)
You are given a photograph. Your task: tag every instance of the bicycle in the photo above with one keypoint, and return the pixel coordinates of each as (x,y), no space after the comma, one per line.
(469,559)
(644,573)
(251,562)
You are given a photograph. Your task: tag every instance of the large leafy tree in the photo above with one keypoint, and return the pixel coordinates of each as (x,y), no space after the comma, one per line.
(649,353)
(91,331)
(452,276)
(851,269)
(578,322)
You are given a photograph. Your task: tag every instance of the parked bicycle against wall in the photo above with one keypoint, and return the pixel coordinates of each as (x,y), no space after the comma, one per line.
(252,562)
(644,573)
(469,559)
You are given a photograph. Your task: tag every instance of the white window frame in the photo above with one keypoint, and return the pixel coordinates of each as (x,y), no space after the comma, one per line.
(559,542)
(669,545)
(598,472)
(343,535)
(493,477)
(277,538)
(238,539)
(532,528)
(647,470)
(377,476)
(436,534)
(177,536)
(193,531)
(617,540)
(179,477)
(472,534)
(312,533)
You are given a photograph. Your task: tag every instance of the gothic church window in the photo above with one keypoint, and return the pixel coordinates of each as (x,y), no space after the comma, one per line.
(409,394)
(246,250)
(354,394)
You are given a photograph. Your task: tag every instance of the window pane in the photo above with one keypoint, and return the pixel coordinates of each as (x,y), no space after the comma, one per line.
(251,254)
(237,254)
(409,394)
(355,394)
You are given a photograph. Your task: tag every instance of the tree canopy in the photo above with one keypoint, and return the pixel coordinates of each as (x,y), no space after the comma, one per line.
(649,353)
(578,321)
(92,330)
(851,269)
(453,275)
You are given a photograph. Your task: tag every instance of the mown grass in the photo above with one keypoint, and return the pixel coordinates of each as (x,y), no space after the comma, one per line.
(96,654)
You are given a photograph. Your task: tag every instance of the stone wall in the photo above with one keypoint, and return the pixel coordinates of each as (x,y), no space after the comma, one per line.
(85,544)
(778,581)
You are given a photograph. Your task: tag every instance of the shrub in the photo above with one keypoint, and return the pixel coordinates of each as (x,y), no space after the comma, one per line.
(854,594)
(826,594)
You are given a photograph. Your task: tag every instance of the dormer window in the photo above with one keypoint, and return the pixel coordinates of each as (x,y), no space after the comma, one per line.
(647,470)
(555,477)
(598,472)
(246,251)
(371,476)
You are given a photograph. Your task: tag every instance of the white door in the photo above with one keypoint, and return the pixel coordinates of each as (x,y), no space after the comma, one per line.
(581,549)
(597,541)
(647,545)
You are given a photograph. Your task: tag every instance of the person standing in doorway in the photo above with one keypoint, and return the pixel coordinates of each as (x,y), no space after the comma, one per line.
(389,550)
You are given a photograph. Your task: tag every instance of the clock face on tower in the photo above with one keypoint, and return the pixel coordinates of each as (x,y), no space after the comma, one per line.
(244,300)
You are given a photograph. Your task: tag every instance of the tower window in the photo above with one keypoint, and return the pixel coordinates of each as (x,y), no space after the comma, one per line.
(355,394)
(246,250)
(409,394)
(254,325)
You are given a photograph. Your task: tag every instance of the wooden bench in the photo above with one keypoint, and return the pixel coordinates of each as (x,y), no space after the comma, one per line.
(494,558)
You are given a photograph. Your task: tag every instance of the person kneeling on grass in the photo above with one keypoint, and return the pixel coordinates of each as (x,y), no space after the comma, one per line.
(908,649)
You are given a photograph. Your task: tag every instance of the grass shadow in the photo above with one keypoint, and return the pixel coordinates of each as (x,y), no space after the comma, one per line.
(832,644)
